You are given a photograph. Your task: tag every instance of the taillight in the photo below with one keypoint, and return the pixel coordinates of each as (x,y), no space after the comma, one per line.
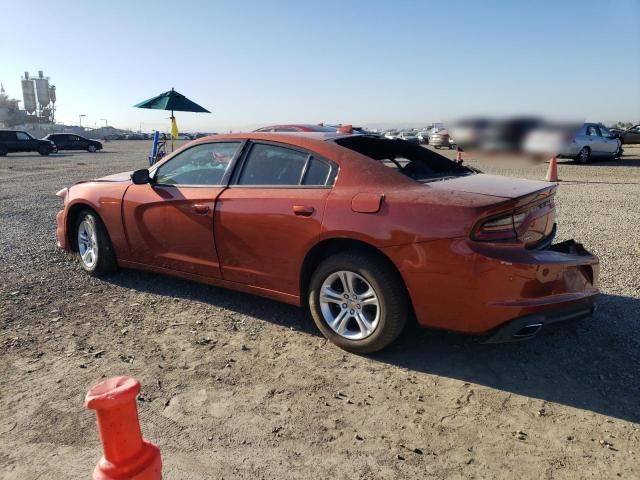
(500,228)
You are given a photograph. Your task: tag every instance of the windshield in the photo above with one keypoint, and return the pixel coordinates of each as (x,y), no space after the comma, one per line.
(412,160)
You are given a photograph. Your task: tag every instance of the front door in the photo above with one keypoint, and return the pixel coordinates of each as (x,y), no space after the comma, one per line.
(169,222)
(271,215)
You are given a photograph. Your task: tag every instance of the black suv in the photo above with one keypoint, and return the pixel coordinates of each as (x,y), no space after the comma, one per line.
(19,141)
(71,141)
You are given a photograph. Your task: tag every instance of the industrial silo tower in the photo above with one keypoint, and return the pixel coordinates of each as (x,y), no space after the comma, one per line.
(39,97)
(29,94)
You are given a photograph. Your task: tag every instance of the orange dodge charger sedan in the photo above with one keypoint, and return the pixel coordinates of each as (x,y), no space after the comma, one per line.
(364,231)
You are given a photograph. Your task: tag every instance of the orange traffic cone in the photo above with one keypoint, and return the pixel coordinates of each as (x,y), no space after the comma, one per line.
(552,171)
(126,455)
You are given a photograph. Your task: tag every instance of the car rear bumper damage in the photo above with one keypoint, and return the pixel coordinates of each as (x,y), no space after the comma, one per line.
(529,326)
(475,288)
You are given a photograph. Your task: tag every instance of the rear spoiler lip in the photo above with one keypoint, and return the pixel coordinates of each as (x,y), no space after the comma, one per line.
(535,196)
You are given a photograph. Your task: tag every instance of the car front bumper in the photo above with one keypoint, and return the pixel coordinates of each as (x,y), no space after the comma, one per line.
(476,288)
(61,231)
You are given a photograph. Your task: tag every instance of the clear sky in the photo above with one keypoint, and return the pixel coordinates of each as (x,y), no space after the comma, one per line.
(372,63)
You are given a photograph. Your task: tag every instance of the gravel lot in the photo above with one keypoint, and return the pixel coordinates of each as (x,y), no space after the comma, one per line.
(236,386)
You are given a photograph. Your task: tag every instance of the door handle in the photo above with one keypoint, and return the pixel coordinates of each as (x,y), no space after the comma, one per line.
(201,208)
(303,210)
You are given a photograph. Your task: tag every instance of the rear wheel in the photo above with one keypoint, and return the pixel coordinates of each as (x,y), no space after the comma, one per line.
(44,150)
(358,301)
(3,151)
(95,251)
(92,149)
(584,155)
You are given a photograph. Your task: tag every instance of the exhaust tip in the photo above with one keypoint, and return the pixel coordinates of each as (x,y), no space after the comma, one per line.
(528,330)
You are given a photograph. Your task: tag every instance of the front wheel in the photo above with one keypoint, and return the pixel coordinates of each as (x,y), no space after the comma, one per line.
(92,149)
(358,301)
(95,251)
(3,151)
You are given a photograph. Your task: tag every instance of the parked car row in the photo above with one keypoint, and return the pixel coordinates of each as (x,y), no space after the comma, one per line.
(434,134)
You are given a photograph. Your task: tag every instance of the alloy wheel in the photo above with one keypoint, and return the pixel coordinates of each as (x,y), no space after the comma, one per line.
(349,305)
(87,244)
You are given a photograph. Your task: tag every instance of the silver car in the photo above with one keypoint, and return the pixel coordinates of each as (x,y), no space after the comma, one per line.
(590,141)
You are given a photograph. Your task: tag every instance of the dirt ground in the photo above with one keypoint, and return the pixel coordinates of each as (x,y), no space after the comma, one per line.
(236,386)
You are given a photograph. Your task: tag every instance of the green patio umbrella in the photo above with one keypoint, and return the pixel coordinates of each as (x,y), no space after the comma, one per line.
(172,101)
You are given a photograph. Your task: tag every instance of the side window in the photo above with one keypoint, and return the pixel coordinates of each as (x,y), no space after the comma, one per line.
(22,136)
(319,172)
(7,136)
(593,131)
(204,164)
(272,165)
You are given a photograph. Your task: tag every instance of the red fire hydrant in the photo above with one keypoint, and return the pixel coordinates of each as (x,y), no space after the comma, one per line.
(126,455)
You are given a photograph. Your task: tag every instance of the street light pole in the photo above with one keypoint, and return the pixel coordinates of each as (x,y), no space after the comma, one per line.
(105,122)
(80,117)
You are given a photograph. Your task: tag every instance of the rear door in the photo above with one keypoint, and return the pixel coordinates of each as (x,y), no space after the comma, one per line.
(271,215)
(77,143)
(169,222)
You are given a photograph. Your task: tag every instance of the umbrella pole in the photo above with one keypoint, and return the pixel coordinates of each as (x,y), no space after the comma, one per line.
(172,120)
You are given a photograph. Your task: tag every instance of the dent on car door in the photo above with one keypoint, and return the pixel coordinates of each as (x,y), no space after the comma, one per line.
(169,222)
(271,215)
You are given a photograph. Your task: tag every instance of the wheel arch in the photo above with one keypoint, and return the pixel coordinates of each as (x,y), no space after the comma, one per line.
(72,216)
(331,246)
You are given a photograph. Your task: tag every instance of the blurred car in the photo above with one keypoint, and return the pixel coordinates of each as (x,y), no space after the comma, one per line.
(439,139)
(71,141)
(409,136)
(630,135)
(423,136)
(580,143)
(470,132)
(391,134)
(508,135)
(20,141)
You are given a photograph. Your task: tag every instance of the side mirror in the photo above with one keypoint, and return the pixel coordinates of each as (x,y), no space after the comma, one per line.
(140,177)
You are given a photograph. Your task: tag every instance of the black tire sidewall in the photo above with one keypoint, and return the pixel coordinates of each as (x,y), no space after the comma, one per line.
(391,295)
(44,150)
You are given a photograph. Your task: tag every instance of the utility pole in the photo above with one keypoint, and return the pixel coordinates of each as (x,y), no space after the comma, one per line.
(80,118)
(105,122)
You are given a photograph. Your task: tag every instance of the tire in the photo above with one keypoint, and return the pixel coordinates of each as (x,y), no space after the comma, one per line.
(583,156)
(44,150)
(368,326)
(91,234)
(92,149)
(3,151)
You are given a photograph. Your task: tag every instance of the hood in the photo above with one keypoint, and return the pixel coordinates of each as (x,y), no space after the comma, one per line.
(492,185)
(116,177)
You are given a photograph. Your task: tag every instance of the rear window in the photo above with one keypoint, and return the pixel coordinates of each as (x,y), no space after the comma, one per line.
(407,158)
